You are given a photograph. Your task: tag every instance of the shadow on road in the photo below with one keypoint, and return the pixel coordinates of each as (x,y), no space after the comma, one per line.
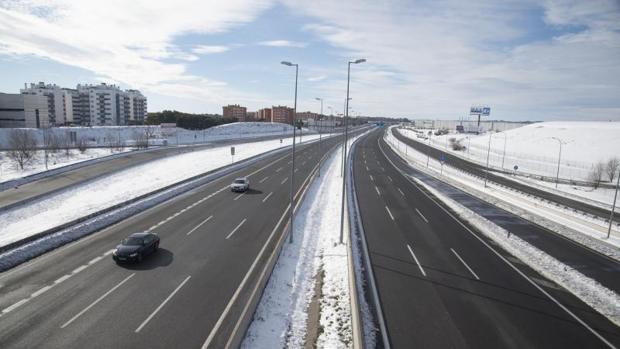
(161,258)
(253,192)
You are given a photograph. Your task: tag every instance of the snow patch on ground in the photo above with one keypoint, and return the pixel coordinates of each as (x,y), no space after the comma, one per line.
(9,169)
(280,319)
(604,300)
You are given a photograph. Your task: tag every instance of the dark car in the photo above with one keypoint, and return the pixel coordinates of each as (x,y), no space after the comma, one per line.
(135,247)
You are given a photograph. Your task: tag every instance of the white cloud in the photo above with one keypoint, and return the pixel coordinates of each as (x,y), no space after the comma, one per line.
(282,43)
(129,42)
(209,49)
(445,55)
(317,78)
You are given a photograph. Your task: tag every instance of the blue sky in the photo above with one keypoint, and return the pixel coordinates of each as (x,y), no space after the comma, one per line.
(551,60)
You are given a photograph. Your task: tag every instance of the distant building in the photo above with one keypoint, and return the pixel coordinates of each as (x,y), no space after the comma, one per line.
(282,114)
(251,116)
(23,110)
(234,112)
(264,114)
(91,105)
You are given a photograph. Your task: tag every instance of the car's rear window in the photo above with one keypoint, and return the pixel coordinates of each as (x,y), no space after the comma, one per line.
(240,181)
(132,241)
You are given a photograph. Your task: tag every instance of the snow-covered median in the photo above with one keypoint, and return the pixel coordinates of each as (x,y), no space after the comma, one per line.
(281,319)
(73,203)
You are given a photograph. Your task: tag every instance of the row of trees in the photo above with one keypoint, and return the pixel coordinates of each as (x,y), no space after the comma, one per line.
(186,120)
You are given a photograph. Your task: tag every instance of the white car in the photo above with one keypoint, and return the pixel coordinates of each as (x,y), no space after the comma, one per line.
(240,184)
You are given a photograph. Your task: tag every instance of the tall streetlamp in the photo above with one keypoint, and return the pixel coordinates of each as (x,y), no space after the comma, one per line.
(344,176)
(504,156)
(486,173)
(331,118)
(613,207)
(291,215)
(557,175)
(320,118)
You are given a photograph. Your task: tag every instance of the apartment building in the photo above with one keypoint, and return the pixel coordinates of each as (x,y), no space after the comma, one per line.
(282,114)
(234,112)
(58,101)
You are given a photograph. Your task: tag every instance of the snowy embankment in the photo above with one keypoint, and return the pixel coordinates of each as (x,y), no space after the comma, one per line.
(10,170)
(281,318)
(604,300)
(59,208)
(535,149)
(576,226)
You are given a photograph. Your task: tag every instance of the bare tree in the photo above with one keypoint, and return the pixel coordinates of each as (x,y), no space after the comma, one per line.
(65,141)
(82,144)
(612,167)
(596,174)
(23,147)
(149,133)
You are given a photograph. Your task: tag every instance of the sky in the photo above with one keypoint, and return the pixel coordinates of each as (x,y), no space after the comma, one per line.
(527,60)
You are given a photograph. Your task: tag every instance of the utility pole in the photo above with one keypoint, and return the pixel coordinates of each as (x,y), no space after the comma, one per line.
(613,207)
(320,116)
(344,175)
(292,194)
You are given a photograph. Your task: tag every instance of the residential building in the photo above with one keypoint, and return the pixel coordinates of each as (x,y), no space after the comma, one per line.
(264,114)
(23,110)
(234,112)
(57,99)
(282,114)
(91,105)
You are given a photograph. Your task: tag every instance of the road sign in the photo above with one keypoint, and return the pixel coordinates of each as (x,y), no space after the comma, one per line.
(516,167)
(232,150)
(442,158)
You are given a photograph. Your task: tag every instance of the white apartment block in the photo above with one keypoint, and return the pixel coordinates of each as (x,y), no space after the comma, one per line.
(91,105)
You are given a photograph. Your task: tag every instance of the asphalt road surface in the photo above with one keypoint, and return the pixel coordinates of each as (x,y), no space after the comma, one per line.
(442,284)
(479,170)
(61,181)
(189,294)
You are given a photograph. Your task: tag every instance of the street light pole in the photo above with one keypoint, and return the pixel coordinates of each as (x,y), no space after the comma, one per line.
(320,115)
(292,195)
(344,176)
(557,175)
(486,174)
(504,156)
(613,207)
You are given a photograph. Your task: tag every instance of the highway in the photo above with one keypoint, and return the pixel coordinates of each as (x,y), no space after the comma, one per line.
(442,284)
(190,294)
(48,185)
(480,171)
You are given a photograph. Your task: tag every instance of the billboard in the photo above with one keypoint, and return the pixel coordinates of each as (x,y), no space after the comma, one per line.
(483,111)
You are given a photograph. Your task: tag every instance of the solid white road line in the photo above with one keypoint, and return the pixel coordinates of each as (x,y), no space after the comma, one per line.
(199,225)
(262,180)
(465,264)
(416,260)
(279,169)
(236,228)
(95,260)
(162,304)
(238,196)
(401,192)
(421,215)
(377,189)
(389,212)
(96,301)
(284,181)
(79,269)
(267,197)
(108,252)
